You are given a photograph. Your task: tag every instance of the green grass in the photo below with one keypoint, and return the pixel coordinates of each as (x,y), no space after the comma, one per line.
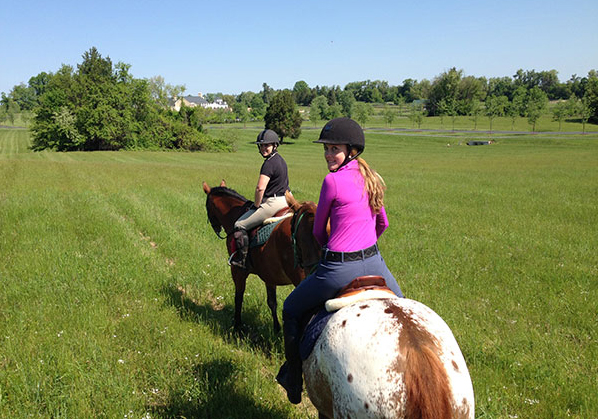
(117,300)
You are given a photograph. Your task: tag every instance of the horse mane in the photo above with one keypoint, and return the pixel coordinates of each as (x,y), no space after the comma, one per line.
(224,191)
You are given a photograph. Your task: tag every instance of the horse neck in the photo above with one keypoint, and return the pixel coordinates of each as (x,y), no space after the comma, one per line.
(228,210)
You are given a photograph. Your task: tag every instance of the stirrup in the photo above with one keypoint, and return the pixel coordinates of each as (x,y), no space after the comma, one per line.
(232,262)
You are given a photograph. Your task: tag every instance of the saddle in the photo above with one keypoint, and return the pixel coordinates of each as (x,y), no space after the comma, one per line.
(361,288)
(260,235)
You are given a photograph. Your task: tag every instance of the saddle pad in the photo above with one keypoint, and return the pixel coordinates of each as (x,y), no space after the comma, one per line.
(336,304)
(312,332)
(263,234)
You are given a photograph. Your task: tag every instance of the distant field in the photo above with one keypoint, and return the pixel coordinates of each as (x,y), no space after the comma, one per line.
(116,298)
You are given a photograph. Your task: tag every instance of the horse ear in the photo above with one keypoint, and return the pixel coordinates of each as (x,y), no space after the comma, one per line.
(206,188)
(223,183)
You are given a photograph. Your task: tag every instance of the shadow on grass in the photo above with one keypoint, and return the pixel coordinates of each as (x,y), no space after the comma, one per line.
(220,397)
(256,333)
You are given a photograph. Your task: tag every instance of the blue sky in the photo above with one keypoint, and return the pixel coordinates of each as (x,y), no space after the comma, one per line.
(233,46)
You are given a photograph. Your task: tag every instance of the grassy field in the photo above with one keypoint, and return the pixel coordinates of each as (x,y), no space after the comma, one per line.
(117,302)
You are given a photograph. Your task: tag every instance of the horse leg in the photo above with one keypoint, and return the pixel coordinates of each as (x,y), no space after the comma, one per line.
(240,280)
(271,299)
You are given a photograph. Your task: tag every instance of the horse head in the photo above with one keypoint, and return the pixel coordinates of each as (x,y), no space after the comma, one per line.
(305,246)
(223,206)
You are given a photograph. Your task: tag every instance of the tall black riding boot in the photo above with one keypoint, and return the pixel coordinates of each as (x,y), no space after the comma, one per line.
(290,375)
(239,257)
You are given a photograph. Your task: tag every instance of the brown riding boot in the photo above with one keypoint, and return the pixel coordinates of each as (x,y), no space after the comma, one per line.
(290,376)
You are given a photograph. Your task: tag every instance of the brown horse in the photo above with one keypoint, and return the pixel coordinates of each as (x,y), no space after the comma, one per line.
(273,262)
(380,355)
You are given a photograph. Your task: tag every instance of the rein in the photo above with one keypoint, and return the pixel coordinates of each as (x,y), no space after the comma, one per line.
(218,228)
(296,253)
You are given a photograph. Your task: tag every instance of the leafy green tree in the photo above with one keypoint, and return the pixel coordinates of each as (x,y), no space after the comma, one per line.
(302,93)
(591,94)
(582,109)
(24,97)
(445,86)
(347,102)
(475,111)
(258,107)
(536,103)
(38,83)
(389,115)
(282,115)
(320,105)
(495,106)
(560,112)
(519,101)
(417,114)
(162,92)
(241,112)
(314,113)
(267,93)
(363,111)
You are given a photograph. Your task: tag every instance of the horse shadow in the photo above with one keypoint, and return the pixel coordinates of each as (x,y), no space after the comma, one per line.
(256,332)
(222,400)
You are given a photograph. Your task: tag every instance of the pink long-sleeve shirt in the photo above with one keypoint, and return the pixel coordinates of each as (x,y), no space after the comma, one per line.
(344,200)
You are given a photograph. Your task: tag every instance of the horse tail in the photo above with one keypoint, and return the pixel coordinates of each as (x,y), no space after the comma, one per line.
(427,384)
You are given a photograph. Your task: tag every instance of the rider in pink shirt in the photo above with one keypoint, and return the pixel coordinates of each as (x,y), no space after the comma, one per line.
(351,199)
(343,200)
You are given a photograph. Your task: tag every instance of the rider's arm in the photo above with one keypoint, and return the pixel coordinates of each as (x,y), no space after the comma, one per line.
(260,189)
(381,222)
(327,194)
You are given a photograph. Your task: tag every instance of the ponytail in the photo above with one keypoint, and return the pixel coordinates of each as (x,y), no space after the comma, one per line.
(374,185)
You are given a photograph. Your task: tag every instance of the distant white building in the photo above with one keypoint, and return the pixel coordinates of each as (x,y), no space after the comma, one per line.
(199,100)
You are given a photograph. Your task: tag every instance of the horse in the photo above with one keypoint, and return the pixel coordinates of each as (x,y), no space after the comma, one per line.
(381,356)
(272,262)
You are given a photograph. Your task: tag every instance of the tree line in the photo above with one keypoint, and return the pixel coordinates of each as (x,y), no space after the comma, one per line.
(101,106)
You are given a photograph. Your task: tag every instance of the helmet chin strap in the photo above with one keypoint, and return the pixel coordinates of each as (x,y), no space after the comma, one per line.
(347,160)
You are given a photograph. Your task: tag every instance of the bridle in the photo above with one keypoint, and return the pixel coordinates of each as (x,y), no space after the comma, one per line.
(216,225)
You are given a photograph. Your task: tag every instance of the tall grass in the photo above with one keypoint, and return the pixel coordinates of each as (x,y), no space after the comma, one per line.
(117,300)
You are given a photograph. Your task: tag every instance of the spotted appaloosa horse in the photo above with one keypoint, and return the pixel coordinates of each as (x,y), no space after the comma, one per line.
(273,262)
(386,357)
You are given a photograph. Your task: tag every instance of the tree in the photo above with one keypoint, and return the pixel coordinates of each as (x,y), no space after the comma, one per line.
(258,107)
(302,93)
(320,106)
(581,108)
(282,115)
(536,103)
(560,111)
(162,92)
(363,112)
(347,102)
(103,107)
(314,112)
(417,114)
(495,106)
(445,86)
(241,112)
(475,111)
(389,115)
(267,93)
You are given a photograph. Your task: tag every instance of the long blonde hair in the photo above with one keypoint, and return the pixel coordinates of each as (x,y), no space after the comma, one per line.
(374,184)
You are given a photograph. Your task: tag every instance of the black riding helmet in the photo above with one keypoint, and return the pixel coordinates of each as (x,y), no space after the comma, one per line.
(267,136)
(343,131)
